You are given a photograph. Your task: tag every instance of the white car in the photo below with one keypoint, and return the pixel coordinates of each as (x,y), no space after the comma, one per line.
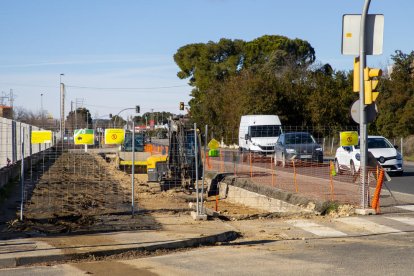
(347,157)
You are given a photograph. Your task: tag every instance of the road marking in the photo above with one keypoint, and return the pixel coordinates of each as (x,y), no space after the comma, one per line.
(406,207)
(368,225)
(317,229)
(405,220)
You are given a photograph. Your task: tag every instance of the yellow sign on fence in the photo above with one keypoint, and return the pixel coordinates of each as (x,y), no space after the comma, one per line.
(114,136)
(41,136)
(84,136)
(348,138)
(213,144)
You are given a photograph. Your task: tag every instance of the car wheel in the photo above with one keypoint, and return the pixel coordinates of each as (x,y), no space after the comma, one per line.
(352,168)
(284,162)
(337,169)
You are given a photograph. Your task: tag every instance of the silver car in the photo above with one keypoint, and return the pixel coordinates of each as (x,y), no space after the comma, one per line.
(297,146)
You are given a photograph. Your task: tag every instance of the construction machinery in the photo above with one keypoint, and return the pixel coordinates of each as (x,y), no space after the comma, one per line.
(182,166)
(124,156)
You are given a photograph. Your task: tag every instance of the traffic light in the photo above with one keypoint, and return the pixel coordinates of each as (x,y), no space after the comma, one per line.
(110,115)
(356,74)
(181,105)
(371,81)
(137,109)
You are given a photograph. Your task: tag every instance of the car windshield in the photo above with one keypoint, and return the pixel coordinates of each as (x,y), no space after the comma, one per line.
(265,131)
(299,138)
(377,143)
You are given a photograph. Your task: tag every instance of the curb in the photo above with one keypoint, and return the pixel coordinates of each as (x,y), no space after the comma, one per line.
(271,192)
(187,243)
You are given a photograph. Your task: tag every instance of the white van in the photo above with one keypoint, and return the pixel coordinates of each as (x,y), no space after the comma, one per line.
(259,133)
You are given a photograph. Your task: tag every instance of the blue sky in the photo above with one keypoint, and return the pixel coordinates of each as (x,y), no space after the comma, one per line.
(131,43)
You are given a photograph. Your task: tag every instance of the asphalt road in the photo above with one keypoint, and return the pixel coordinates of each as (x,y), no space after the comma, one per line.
(374,255)
(405,183)
(402,184)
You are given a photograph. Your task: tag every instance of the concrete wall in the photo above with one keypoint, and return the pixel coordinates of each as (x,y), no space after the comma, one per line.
(10,141)
(254,200)
(12,172)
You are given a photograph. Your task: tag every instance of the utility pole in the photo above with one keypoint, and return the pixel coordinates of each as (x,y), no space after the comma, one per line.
(71,113)
(152,119)
(363,136)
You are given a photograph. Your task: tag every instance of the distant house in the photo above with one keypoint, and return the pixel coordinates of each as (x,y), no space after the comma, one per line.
(6,111)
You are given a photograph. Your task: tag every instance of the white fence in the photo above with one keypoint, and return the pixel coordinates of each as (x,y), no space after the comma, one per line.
(10,141)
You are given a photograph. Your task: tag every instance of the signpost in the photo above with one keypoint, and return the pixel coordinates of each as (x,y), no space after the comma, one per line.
(351,28)
(84,136)
(368,41)
(41,136)
(114,136)
(371,112)
(348,138)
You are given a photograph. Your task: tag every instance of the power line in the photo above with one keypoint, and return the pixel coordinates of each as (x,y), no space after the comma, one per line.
(94,88)
(29,85)
(125,88)
(104,106)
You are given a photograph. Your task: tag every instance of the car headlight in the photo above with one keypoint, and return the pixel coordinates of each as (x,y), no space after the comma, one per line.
(318,149)
(290,150)
(357,156)
(399,156)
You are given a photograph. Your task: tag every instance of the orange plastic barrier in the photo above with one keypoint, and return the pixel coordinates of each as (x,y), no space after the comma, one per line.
(375,199)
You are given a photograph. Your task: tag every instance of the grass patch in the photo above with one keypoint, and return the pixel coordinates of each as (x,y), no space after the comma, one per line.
(331,207)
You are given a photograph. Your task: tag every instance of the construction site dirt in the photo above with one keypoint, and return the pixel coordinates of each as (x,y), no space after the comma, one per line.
(82,193)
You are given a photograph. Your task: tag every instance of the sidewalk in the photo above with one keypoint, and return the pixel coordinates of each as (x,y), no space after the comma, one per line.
(176,232)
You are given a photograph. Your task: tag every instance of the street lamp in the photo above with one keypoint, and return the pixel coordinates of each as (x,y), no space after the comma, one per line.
(41,103)
(137,109)
(62,109)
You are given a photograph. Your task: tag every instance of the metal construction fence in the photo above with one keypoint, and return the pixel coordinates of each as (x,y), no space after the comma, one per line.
(302,162)
(70,188)
(77,188)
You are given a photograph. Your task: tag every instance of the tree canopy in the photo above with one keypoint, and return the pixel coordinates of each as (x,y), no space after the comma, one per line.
(268,75)
(276,75)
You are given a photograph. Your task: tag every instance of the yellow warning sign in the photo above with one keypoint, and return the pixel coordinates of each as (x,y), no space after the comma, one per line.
(114,136)
(348,138)
(84,136)
(41,136)
(213,144)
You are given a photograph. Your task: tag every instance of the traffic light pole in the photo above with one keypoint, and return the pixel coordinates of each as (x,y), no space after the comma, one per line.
(363,136)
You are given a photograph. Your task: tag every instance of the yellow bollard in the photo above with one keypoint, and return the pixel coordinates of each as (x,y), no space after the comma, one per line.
(294,176)
(273,172)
